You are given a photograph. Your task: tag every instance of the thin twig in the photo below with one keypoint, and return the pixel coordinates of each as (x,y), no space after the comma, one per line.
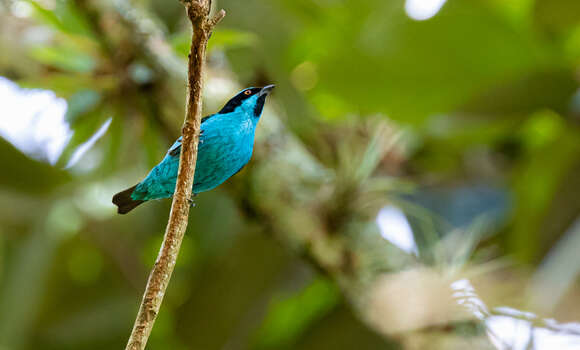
(198,13)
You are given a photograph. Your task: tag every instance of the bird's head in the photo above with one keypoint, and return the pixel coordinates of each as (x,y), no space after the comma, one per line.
(250,101)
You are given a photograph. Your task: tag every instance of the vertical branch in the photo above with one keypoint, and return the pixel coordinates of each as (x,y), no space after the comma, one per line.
(198,13)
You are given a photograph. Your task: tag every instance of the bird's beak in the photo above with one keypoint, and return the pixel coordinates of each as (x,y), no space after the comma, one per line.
(266,90)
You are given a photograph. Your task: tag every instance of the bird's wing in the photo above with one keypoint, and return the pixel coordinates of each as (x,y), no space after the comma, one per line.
(175,149)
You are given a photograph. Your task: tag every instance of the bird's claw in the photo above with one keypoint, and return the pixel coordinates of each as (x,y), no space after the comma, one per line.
(191,202)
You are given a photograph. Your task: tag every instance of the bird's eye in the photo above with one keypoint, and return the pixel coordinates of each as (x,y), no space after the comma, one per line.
(247,92)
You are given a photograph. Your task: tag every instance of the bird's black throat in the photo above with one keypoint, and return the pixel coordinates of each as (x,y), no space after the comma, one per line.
(259,105)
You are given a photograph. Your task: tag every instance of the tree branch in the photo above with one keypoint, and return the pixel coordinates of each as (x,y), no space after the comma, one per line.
(198,13)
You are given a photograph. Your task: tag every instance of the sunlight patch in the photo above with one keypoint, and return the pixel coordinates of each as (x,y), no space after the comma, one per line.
(422,10)
(396,229)
(33,120)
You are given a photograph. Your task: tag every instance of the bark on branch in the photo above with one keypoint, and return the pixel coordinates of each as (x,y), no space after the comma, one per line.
(198,12)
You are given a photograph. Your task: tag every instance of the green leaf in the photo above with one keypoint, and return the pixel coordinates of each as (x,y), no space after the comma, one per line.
(28,175)
(221,39)
(229,39)
(181,42)
(557,16)
(537,181)
(46,16)
(65,58)
(289,317)
(67,84)
(65,18)
(376,59)
(81,103)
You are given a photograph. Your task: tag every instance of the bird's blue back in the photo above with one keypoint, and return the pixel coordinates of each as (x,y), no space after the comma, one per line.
(225,147)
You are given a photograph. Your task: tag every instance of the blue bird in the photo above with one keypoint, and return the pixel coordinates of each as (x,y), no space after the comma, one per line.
(226,143)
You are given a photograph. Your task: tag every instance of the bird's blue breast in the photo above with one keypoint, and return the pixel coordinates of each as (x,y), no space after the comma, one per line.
(225,147)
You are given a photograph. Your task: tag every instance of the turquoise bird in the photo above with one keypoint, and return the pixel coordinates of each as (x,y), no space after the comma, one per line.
(226,143)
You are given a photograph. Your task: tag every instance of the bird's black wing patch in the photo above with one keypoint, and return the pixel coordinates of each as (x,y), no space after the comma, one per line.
(175,152)
(177,149)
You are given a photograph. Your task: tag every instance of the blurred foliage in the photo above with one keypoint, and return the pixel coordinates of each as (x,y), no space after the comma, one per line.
(467,121)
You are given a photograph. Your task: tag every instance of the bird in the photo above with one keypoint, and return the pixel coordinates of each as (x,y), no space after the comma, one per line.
(226,143)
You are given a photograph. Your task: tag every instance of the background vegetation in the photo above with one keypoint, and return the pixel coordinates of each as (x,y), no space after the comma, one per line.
(467,121)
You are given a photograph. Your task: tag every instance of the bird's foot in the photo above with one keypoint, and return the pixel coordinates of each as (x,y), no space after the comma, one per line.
(191,201)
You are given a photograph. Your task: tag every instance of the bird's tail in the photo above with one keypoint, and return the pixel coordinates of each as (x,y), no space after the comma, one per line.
(124,202)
